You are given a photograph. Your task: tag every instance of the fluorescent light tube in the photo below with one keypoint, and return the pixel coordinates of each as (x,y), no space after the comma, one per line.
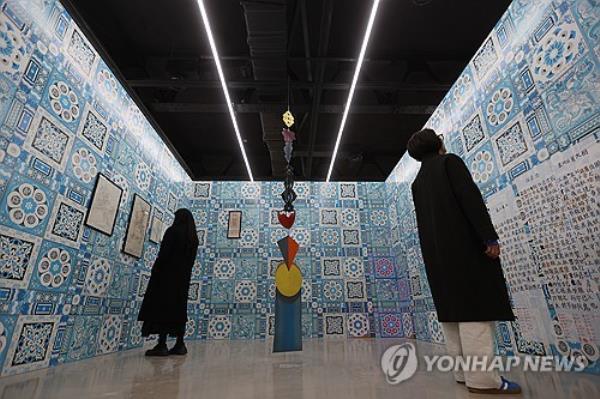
(361,57)
(215,53)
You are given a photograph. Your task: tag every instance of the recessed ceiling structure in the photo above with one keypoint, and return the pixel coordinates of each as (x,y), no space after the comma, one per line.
(160,50)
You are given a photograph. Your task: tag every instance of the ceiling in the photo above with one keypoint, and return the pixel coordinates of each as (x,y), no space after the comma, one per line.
(417,49)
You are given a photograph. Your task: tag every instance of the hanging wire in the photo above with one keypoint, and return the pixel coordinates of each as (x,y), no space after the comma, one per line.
(288,92)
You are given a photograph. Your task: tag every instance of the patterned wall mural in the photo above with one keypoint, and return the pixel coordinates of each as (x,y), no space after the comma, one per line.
(525,117)
(352,286)
(66,291)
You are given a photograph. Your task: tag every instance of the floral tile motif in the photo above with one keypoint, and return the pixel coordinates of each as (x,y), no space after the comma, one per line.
(353,267)
(384,268)
(54,268)
(224,268)
(482,166)
(499,106)
(66,222)
(64,101)
(110,334)
(358,325)
(557,50)
(219,327)
(391,325)
(27,205)
(245,291)
(333,291)
(32,343)
(18,254)
(84,165)
(98,277)
(49,141)
(350,217)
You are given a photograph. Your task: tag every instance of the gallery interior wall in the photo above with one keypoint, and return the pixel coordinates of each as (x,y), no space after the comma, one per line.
(525,116)
(63,118)
(352,286)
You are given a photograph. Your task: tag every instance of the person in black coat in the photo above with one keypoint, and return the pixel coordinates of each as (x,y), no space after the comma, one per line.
(461,255)
(164,308)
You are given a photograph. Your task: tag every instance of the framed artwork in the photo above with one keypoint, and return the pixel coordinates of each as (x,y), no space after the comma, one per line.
(139,218)
(234,225)
(104,205)
(157,229)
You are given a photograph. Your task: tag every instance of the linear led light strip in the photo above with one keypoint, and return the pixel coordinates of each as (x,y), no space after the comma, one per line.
(215,54)
(361,57)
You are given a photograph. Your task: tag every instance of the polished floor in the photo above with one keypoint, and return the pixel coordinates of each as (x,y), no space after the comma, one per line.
(247,369)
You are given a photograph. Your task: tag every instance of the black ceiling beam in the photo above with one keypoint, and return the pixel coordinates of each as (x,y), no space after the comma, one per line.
(306,40)
(258,84)
(324,59)
(250,108)
(324,31)
(302,151)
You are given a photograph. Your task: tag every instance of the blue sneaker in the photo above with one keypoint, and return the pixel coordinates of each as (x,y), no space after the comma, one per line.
(506,388)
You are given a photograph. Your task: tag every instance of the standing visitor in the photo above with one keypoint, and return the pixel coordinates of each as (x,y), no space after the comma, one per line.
(164,309)
(460,251)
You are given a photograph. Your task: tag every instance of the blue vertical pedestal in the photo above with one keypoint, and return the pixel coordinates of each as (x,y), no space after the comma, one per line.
(288,323)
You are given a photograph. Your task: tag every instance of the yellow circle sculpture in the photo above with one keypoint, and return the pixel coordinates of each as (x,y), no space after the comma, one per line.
(288,282)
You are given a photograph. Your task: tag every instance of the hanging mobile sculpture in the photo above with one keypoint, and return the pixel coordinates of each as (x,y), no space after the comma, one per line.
(288,278)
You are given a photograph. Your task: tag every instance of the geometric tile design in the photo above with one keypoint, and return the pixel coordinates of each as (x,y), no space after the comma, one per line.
(66,222)
(473,133)
(65,117)
(537,168)
(32,343)
(49,141)
(18,253)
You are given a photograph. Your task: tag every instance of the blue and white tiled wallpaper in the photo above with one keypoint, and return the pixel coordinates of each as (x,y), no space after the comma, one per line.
(65,290)
(352,286)
(525,117)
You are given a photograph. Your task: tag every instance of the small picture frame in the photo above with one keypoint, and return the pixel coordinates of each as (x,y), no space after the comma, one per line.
(234,225)
(139,218)
(157,229)
(104,205)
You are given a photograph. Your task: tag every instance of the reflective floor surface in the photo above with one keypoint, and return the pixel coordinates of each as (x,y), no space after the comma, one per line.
(247,369)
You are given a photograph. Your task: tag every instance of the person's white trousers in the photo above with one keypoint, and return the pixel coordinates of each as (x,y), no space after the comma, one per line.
(472,339)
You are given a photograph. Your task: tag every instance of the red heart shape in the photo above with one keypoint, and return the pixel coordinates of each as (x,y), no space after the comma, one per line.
(286,218)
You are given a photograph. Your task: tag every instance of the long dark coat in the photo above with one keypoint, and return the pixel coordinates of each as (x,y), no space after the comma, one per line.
(454,225)
(165,300)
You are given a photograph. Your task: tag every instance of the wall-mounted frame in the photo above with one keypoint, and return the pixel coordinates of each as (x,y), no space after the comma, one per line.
(104,205)
(139,218)
(234,225)
(157,229)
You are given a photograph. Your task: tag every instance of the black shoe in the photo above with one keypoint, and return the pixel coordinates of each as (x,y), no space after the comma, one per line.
(178,350)
(158,350)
